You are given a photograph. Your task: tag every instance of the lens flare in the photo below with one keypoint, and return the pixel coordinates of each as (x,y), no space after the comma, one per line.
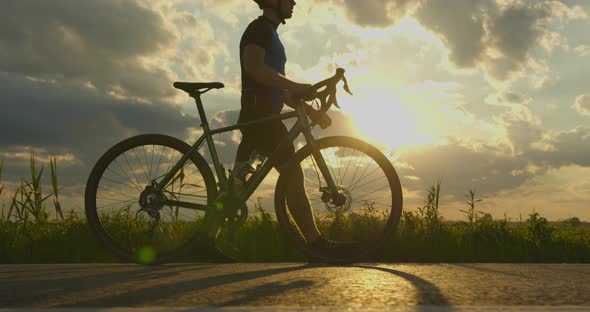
(146,255)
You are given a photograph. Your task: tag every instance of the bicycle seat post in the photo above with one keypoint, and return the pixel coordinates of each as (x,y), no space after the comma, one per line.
(204,123)
(210,142)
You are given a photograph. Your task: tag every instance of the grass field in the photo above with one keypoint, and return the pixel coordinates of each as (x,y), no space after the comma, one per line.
(29,233)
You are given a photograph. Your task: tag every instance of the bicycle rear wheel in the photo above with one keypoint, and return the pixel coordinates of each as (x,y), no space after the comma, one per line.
(129,217)
(371,196)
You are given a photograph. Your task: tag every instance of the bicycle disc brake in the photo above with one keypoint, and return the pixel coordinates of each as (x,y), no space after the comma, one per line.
(340,202)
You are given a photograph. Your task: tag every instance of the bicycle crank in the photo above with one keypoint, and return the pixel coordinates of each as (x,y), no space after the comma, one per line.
(234,217)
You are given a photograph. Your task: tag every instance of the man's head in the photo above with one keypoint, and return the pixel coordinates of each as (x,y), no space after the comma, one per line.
(283,8)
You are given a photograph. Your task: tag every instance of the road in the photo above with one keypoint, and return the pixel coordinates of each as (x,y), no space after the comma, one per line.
(295,285)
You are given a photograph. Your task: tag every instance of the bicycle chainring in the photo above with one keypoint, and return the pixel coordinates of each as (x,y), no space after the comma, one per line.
(234,217)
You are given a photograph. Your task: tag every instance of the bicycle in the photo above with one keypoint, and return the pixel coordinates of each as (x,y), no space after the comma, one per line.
(165,206)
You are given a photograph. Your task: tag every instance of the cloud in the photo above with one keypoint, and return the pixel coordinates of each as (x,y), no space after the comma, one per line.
(463,165)
(107,44)
(525,151)
(582,105)
(459,25)
(82,123)
(582,50)
(568,147)
(489,168)
(499,37)
(376,13)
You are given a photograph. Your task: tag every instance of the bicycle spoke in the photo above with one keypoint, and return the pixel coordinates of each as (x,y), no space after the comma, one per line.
(357,167)
(142,168)
(138,187)
(124,195)
(385,187)
(121,202)
(364,177)
(340,177)
(147,164)
(346,170)
(367,183)
(329,165)
(118,182)
(373,199)
(132,171)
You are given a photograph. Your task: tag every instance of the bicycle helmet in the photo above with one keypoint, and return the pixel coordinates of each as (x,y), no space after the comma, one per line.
(279,8)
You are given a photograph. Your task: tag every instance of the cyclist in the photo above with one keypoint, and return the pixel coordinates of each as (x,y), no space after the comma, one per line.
(262,60)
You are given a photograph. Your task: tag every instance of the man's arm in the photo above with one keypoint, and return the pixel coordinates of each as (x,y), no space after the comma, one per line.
(256,67)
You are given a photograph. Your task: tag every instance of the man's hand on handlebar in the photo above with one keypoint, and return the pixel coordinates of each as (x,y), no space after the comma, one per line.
(324,91)
(298,92)
(303,91)
(298,88)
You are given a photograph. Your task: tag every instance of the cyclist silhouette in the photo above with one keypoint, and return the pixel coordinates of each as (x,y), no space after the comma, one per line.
(262,60)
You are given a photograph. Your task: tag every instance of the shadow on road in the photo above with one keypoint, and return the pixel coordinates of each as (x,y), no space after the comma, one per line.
(139,286)
(265,291)
(59,282)
(427,292)
(139,297)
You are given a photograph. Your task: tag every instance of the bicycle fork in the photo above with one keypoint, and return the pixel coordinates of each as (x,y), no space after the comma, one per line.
(332,188)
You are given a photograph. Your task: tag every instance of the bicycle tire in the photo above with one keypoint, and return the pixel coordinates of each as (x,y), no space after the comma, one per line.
(154,251)
(367,246)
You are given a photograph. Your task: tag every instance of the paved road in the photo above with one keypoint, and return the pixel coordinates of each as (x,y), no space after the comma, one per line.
(294,285)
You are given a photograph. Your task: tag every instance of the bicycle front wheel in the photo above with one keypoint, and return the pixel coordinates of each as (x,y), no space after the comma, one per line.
(369,201)
(129,216)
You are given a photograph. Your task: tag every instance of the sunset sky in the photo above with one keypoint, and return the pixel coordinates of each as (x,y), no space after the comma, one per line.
(491,95)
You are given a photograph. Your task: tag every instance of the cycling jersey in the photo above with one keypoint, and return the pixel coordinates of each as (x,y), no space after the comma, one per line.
(263,33)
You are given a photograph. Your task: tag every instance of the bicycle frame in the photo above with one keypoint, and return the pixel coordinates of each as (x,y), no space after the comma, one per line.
(301,126)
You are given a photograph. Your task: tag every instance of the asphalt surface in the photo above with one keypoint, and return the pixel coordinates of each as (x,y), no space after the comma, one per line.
(296,286)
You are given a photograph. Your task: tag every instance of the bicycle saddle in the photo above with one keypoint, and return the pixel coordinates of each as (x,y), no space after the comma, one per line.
(191,87)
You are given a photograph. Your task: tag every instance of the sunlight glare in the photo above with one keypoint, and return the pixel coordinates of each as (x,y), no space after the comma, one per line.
(381,118)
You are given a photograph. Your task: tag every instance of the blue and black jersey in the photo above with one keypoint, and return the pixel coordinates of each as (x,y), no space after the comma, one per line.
(263,33)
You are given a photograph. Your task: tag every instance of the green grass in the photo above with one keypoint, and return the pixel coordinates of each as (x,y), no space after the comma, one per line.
(28,233)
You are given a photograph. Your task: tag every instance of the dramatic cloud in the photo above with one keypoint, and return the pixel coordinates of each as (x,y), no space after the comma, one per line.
(582,105)
(76,77)
(459,25)
(81,123)
(497,36)
(101,43)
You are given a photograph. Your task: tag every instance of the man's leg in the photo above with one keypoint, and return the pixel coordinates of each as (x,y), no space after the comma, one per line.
(295,193)
(265,138)
(299,205)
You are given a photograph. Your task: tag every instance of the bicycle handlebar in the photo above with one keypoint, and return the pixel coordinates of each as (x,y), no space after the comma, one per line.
(327,96)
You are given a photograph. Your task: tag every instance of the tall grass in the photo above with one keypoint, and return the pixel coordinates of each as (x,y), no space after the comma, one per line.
(29,235)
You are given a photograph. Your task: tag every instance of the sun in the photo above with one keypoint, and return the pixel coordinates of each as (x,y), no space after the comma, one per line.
(380,118)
